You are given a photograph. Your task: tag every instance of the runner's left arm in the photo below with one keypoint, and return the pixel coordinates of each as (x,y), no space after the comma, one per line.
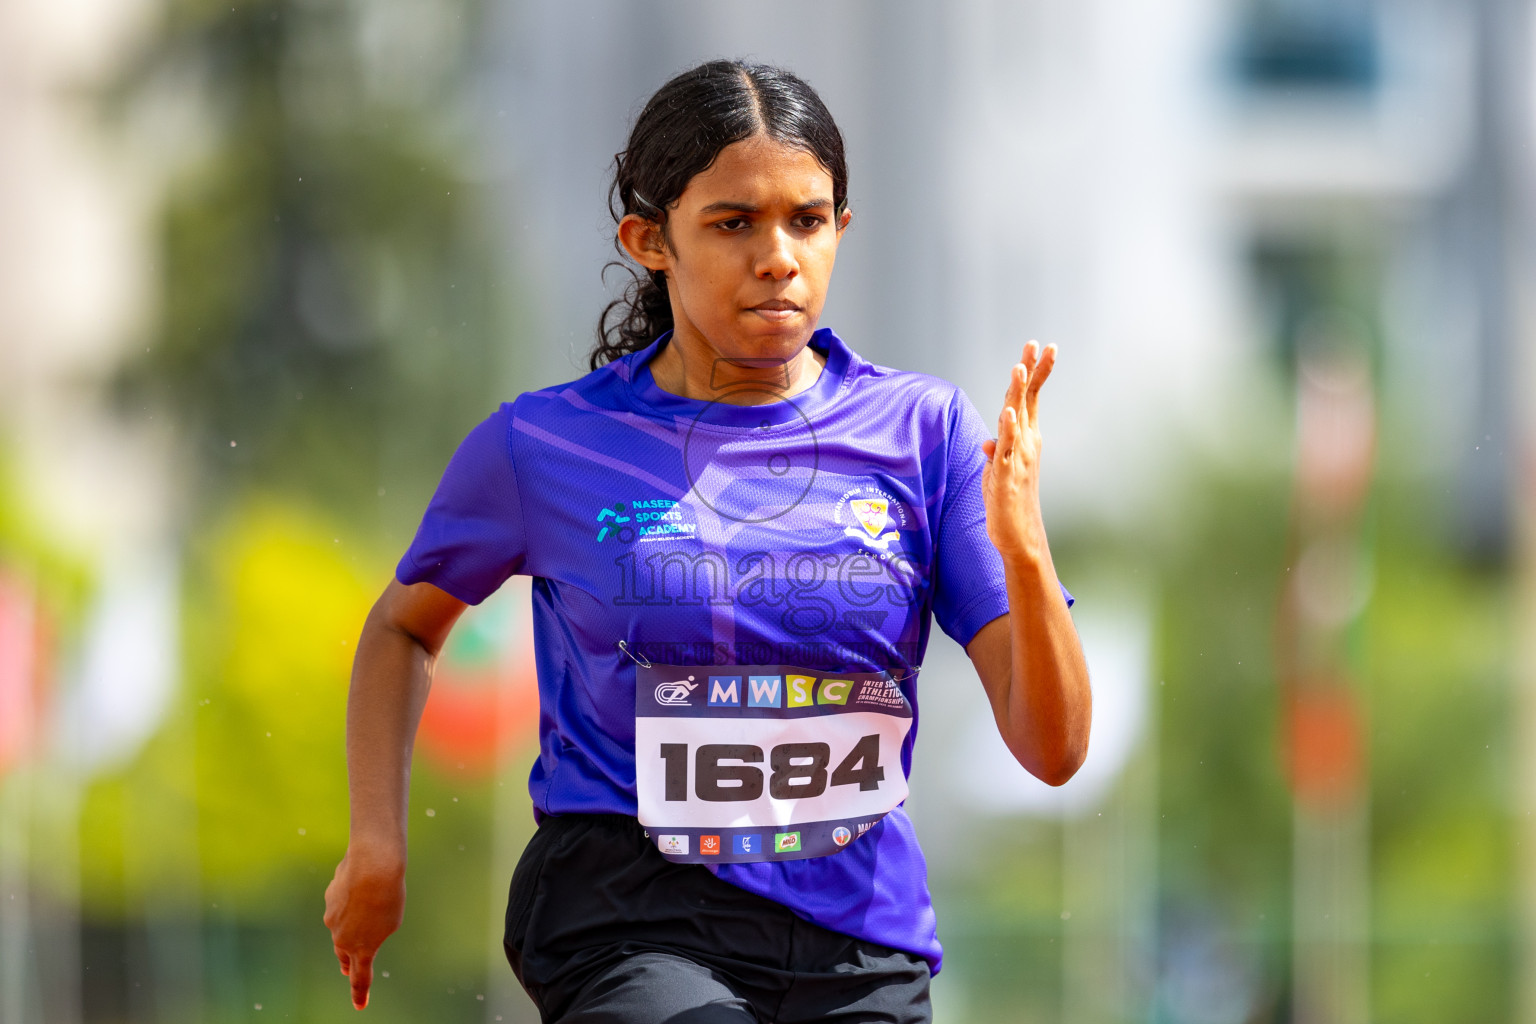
(1030,661)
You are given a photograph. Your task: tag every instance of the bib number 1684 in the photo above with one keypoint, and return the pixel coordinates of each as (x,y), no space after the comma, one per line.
(799,770)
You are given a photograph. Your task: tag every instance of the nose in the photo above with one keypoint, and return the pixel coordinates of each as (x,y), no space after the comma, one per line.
(777,262)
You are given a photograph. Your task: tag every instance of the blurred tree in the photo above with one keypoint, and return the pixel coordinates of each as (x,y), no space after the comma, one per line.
(332,317)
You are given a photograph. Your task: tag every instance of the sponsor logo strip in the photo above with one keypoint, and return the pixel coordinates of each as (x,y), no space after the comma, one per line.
(763,691)
(749,845)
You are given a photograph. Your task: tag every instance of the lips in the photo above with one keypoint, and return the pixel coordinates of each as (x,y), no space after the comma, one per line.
(776,309)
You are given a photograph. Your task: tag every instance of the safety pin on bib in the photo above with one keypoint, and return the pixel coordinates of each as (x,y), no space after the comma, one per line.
(638,659)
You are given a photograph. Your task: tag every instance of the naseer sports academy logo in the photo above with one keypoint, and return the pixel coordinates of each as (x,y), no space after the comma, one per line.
(675,693)
(865,512)
(644,519)
(780,460)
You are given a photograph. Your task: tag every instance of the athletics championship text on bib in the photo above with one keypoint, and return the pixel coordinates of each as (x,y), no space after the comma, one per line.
(765,762)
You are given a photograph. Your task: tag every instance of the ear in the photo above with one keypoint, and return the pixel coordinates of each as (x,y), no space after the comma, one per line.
(642,239)
(844,221)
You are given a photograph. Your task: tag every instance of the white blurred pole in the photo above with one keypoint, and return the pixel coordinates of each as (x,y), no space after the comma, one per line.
(1510,91)
(1520,93)
(169,903)
(1109,896)
(1327,587)
(1525,699)
(1525,677)
(511,824)
(56,916)
(1109,843)
(1331,915)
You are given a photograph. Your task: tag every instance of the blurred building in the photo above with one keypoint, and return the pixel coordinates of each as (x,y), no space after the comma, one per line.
(1158,187)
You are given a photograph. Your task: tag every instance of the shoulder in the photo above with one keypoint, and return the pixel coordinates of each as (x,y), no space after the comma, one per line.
(605,386)
(573,402)
(932,399)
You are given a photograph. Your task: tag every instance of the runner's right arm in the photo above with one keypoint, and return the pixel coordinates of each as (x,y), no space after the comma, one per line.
(391,675)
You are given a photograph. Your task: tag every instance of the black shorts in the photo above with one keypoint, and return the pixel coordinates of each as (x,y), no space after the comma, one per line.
(602,927)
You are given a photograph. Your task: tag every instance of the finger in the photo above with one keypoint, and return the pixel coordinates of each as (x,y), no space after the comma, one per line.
(1030,359)
(989,448)
(346,961)
(362,978)
(1013,398)
(1007,433)
(1037,380)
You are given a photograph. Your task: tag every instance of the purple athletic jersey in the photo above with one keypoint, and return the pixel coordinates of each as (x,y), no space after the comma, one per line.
(819,531)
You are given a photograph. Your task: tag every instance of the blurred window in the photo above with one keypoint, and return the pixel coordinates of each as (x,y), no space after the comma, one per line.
(1329,44)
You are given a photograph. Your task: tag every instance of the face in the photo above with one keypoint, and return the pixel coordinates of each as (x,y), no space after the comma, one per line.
(748,251)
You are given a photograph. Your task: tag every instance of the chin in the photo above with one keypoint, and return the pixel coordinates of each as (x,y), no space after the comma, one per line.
(787,338)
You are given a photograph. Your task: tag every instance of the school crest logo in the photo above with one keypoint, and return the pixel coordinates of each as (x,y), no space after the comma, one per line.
(870,516)
(872,513)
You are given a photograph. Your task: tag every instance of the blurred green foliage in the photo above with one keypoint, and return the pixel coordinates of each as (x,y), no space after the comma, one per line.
(1437,652)
(333,317)
(63,578)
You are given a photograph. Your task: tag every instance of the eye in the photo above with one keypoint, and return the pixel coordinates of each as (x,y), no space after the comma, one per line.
(809,221)
(732,224)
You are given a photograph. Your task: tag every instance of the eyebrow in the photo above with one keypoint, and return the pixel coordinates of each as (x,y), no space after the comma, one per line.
(732,206)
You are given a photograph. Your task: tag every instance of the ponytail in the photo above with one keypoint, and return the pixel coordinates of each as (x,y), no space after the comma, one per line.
(636,318)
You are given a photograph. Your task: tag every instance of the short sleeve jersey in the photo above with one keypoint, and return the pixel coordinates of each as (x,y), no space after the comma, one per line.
(717,533)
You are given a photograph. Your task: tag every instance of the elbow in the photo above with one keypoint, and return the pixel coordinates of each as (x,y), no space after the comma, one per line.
(1066,747)
(1059,771)
(1051,747)
(1054,767)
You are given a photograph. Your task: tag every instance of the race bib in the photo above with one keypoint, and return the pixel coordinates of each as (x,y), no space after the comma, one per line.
(765,762)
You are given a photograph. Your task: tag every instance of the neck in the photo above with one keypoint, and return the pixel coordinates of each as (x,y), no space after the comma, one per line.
(689,366)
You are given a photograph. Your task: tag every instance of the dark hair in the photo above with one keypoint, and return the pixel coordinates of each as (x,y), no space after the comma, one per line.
(678,134)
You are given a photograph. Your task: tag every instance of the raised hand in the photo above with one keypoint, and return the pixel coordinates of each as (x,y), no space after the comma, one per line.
(1030,660)
(1010,481)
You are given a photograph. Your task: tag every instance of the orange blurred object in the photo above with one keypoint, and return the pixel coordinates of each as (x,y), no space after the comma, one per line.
(473,716)
(1325,745)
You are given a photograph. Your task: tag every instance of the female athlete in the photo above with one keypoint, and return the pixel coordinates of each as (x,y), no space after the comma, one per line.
(739,532)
